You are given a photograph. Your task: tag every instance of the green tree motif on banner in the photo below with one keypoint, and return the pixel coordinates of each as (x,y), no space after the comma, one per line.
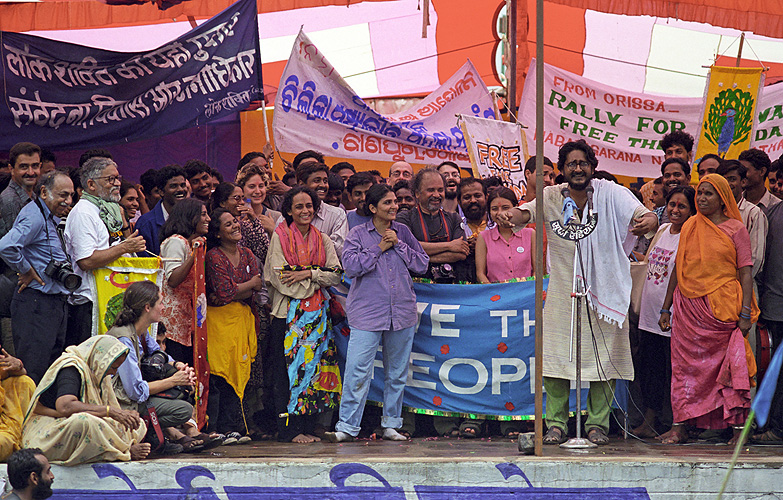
(729,119)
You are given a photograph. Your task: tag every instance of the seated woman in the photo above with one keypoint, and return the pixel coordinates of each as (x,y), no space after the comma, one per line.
(16,390)
(74,415)
(709,307)
(301,354)
(501,253)
(379,256)
(141,306)
(232,282)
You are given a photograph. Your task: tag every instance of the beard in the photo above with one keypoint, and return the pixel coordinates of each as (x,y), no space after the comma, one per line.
(474,211)
(42,490)
(451,195)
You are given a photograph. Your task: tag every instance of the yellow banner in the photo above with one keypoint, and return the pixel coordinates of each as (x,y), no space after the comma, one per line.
(729,108)
(111,282)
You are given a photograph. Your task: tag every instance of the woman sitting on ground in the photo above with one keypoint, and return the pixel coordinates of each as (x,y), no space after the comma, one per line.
(74,416)
(141,307)
(381,308)
(300,345)
(711,298)
(16,390)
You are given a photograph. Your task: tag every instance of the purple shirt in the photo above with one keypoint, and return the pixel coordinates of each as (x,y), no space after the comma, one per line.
(381,295)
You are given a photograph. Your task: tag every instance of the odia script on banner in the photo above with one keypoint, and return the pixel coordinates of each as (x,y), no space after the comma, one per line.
(109,284)
(497,148)
(70,96)
(624,128)
(730,102)
(473,352)
(316,109)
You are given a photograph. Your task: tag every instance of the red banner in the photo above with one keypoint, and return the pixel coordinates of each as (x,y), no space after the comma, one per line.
(200,360)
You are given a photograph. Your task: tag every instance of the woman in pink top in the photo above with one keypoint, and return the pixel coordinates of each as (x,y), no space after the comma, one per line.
(501,253)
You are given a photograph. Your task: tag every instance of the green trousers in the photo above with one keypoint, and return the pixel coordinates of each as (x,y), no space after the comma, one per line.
(599,403)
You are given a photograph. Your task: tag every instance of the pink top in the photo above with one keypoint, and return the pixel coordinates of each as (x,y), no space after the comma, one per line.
(508,259)
(739,234)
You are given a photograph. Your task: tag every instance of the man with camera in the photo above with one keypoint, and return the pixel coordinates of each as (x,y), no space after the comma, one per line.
(96,233)
(440,232)
(34,249)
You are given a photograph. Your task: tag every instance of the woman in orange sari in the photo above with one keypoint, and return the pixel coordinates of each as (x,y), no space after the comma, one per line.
(711,297)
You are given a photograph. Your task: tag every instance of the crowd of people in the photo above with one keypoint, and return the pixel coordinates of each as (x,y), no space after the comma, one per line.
(274,248)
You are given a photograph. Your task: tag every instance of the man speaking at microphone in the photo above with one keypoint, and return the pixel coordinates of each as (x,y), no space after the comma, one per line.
(603,261)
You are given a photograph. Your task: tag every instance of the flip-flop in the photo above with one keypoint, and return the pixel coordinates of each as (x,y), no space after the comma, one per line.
(188,444)
(209,441)
(555,435)
(596,435)
(768,437)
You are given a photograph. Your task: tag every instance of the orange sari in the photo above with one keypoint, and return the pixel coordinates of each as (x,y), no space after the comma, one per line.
(712,364)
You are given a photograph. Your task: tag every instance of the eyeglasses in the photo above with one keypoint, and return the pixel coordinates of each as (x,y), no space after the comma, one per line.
(582,164)
(112,178)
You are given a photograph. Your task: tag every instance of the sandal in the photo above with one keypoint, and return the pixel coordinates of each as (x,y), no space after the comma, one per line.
(555,435)
(596,435)
(768,437)
(189,444)
(210,442)
(470,425)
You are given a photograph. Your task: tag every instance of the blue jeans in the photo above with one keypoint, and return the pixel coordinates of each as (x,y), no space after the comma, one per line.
(360,358)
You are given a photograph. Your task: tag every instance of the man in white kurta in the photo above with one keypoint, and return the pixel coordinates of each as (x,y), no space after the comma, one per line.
(605,266)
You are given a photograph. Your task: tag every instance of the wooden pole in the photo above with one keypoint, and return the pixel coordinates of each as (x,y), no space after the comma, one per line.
(739,52)
(539,348)
(511,98)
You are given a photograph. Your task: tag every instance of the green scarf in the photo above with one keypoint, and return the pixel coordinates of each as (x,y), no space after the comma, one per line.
(109,212)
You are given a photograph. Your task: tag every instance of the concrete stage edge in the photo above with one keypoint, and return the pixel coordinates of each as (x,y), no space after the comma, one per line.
(431,470)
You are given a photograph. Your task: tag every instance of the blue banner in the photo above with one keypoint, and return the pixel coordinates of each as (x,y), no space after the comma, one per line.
(65,96)
(473,353)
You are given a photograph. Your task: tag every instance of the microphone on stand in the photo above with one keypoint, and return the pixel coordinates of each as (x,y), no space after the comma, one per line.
(589,190)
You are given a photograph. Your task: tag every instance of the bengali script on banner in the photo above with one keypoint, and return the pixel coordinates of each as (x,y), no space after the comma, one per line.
(473,352)
(69,96)
(624,128)
(497,148)
(730,103)
(316,109)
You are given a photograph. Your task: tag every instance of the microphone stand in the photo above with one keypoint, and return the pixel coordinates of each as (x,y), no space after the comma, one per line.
(575,231)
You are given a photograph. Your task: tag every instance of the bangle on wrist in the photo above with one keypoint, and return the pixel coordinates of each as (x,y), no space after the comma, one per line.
(107,410)
(126,228)
(747,307)
(665,311)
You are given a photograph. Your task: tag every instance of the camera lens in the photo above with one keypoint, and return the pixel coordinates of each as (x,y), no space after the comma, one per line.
(72,281)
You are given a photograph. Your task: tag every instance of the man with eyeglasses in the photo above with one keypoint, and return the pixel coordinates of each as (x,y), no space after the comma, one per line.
(96,234)
(602,261)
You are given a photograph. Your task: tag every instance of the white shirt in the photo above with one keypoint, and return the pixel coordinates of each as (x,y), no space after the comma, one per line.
(756,223)
(332,221)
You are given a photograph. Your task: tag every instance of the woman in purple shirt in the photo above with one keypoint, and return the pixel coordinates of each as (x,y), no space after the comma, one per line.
(381,307)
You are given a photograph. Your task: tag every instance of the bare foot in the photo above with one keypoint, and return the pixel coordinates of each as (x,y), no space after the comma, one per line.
(735,438)
(644,431)
(677,435)
(665,435)
(139,451)
(315,438)
(303,438)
